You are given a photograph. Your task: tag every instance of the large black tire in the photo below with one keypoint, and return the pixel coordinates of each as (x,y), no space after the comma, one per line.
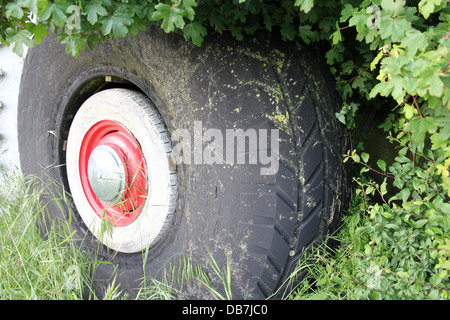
(263,223)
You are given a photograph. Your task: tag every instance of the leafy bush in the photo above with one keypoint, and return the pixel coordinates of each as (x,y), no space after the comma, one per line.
(393,53)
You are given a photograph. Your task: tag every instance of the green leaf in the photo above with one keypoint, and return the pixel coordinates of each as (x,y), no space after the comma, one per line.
(137,26)
(394,28)
(409,111)
(288,31)
(56,10)
(240,15)
(381,164)
(73,44)
(426,7)
(24,4)
(340,117)
(355,157)
(336,36)
(252,25)
(305,5)
(403,274)
(116,23)
(420,223)
(365,157)
(375,61)
(95,9)
(20,39)
(446,218)
(430,81)
(377,89)
(216,21)
(359,19)
(405,193)
(306,34)
(237,33)
(395,7)
(196,32)
(442,137)
(347,67)
(40,31)
(335,54)
(187,6)
(171,15)
(419,127)
(33,4)
(346,13)
(162,11)
(414,40)
(13,10)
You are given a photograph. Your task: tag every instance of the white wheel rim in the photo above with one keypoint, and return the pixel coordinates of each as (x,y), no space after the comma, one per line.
(136,113)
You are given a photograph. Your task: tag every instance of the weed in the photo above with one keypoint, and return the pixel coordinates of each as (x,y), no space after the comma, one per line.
(32,267)
(55,266)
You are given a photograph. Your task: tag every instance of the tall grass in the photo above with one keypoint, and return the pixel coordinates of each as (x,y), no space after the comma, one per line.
(55,265)
(183,278)
(33,267)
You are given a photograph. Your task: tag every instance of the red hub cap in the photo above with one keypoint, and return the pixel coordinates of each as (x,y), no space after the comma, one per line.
(112,171)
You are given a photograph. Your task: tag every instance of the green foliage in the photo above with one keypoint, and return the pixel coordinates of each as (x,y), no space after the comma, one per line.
(102,19)
(382,255)
(382,52)
(407,233)
(32,267)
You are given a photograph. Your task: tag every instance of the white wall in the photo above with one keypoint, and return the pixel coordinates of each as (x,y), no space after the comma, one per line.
(11,66)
